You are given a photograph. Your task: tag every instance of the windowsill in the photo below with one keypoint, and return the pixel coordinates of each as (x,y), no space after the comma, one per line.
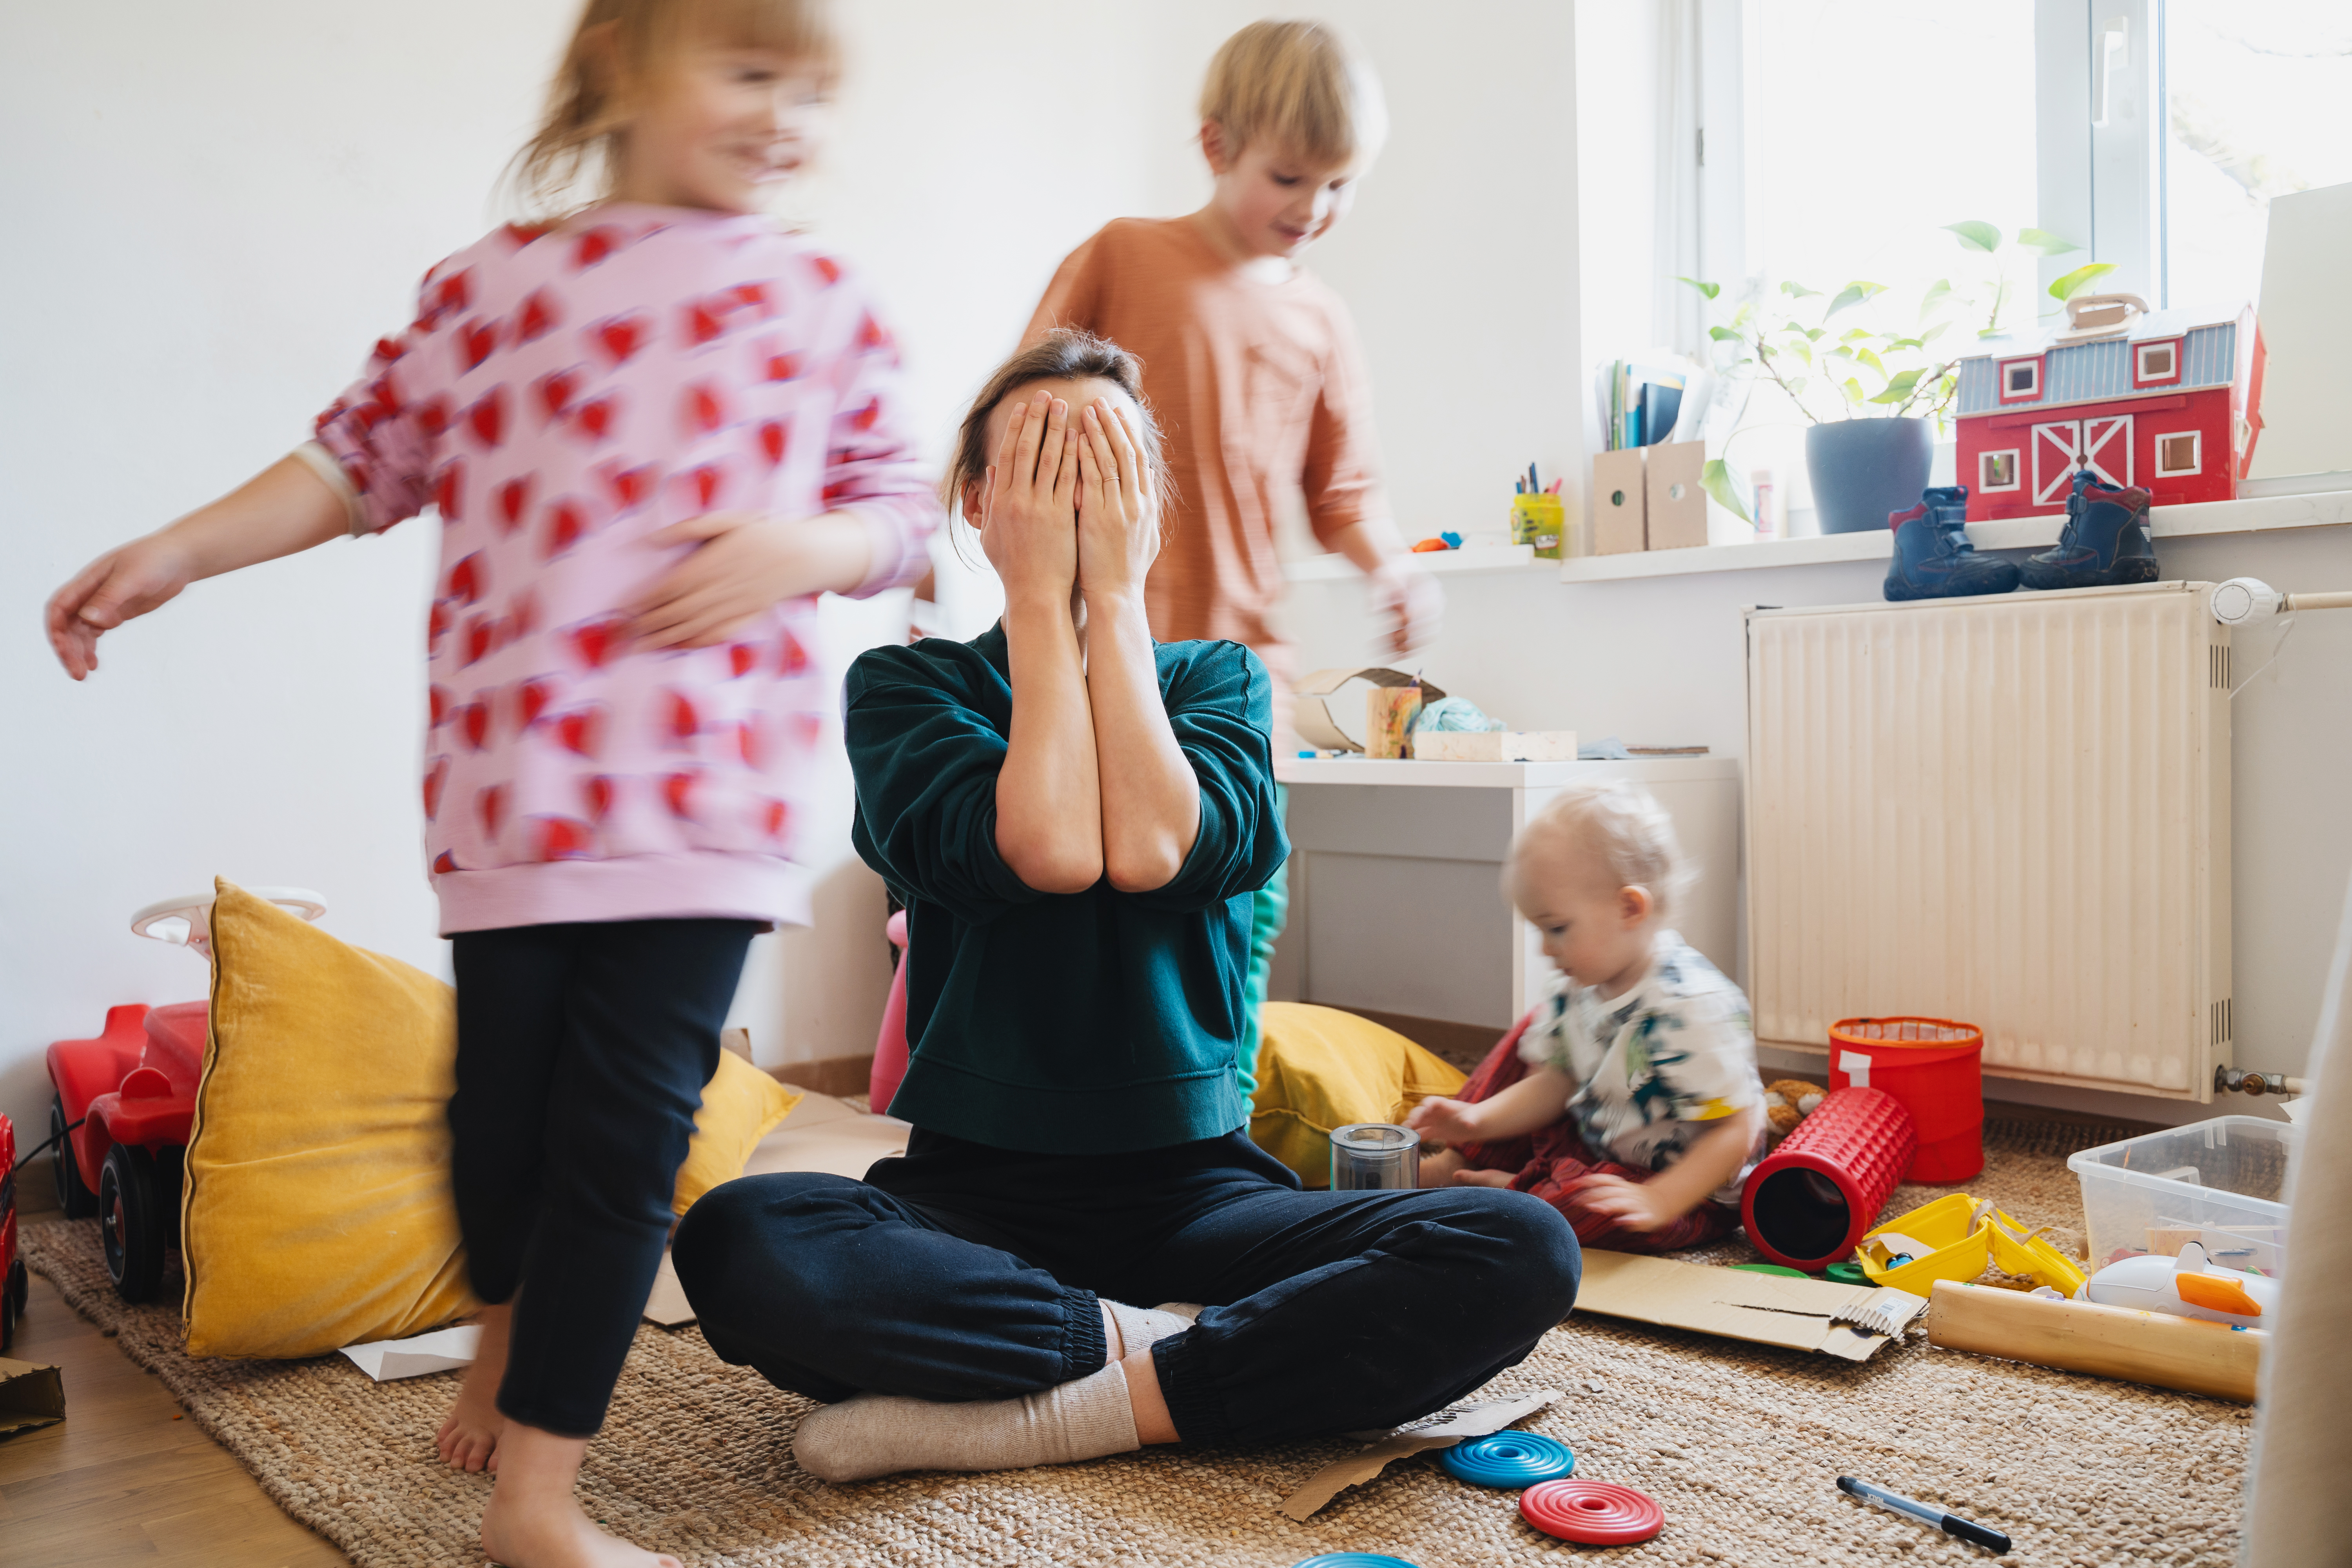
(2252,515)
(1470,558)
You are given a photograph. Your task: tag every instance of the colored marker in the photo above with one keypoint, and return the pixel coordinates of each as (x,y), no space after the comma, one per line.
(1992,1540)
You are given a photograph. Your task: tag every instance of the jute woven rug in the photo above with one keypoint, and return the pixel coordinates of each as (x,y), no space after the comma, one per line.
(1740,1444)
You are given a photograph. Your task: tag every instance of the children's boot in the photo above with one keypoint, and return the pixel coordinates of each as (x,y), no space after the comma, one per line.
(1933,557)
(2106,539)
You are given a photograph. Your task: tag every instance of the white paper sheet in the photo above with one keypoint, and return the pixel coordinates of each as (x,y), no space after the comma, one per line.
(385,1359)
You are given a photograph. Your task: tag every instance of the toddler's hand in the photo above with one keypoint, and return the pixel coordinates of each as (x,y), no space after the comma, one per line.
(744,562)
(125,583)
(1629,1203)
(1029,515)
(1118,512)
(1446,1121)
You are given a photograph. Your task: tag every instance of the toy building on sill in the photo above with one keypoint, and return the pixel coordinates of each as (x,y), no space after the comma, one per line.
(2168,400)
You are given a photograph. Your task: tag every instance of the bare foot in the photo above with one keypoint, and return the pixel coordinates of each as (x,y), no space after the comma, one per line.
(534,1522)
(556,1535)
(468,1438)
(1481,1178)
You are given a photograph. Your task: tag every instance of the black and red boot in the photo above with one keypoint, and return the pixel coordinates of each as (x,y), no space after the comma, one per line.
(1933,557)
(2106,539)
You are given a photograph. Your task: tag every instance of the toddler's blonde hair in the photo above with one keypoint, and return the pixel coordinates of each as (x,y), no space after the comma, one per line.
(1301,82)
(619,47)
(1622,826)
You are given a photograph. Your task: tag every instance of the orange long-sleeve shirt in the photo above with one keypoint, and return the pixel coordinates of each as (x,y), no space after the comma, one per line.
(1260,393)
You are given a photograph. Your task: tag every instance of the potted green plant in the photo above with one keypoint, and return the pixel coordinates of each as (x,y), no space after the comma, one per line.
(1875,397)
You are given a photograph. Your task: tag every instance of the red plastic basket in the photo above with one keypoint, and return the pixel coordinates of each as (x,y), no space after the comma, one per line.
(1934,1066)
(1813,1198)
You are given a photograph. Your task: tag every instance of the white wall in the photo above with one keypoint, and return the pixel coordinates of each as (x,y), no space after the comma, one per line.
(213,211)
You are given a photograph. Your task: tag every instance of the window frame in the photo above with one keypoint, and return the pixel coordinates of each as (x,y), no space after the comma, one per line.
(2195,440)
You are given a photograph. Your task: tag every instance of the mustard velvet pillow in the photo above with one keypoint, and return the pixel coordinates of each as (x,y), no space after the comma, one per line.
(316,1210)
(1319,1069)
(740,1105)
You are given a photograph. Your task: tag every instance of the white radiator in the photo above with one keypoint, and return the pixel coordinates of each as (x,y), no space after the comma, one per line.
(2012,811)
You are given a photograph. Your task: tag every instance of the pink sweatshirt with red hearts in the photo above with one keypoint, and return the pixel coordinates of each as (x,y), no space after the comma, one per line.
(561,394)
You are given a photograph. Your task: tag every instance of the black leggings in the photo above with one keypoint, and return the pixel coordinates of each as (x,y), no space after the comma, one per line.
(965,1272)
(581,1054)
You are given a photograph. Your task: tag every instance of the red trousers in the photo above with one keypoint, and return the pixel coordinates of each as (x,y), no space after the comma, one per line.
(1552,1162)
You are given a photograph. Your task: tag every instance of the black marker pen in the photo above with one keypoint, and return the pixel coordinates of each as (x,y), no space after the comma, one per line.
(1992,1540)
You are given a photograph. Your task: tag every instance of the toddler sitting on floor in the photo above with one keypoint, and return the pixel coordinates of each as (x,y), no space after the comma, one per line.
(1629,1100)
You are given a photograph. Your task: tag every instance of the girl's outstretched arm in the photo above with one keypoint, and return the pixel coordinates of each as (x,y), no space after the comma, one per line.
(284,509)
(1048,806)
(1151,796)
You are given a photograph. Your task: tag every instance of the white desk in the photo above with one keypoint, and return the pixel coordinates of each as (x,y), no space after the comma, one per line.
(1396,901)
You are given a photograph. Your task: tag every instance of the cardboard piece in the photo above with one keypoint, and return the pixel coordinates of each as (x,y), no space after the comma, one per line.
(820,1134)
(388,1359)
(1765,1308)
(1619,504)
(31,1397)
(1313,717)
(1468,1421)
(1494,745)
(1674,505)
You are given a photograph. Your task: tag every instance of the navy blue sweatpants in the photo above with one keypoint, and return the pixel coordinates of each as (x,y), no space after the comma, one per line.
(967,1272)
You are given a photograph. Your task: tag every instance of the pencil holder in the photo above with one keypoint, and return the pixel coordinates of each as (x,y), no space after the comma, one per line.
(1541,521)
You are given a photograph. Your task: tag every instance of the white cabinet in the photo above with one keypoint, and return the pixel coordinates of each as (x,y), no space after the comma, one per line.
(1396,901)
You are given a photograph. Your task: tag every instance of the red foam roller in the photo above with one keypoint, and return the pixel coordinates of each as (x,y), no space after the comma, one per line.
(1813,1198)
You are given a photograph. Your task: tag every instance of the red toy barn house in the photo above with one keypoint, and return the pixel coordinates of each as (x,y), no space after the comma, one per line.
(2171,403)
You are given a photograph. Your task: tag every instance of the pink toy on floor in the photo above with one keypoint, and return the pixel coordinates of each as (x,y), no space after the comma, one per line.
(890,1045)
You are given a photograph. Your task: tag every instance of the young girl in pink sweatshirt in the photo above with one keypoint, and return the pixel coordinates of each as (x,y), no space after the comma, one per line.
(654,430)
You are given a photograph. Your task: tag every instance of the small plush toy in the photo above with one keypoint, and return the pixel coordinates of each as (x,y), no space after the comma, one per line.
(1788,1101)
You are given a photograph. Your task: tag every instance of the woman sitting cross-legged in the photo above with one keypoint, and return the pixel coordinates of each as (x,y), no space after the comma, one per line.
(1076,817)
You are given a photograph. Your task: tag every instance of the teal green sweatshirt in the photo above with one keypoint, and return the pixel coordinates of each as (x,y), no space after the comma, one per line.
(1088,1023)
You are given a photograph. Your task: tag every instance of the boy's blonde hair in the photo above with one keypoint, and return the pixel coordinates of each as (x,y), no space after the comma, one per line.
(620,46)
(1301,82)
(1622,826)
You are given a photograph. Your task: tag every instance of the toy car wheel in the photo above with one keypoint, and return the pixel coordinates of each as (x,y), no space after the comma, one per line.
(15,1292)
(74,1200)
(131,1211)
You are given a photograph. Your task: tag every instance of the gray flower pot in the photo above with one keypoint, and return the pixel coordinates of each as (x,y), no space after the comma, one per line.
(1863,469)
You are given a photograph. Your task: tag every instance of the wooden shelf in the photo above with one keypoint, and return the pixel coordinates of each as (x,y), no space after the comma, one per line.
(2253,515)
(1470,558)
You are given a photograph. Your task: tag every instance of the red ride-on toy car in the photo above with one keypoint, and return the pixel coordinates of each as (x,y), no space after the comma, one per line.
(15,1288)
(124,1102)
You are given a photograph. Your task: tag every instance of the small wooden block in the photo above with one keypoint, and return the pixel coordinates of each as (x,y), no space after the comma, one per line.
(1618,504)
(1494,745)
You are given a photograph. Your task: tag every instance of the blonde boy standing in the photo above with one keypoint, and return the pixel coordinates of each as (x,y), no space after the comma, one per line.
(1252,366)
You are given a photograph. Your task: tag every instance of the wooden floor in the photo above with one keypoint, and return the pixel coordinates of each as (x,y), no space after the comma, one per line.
(120,1480)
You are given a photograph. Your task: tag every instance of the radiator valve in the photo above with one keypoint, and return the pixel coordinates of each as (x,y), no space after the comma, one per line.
(2231,1080)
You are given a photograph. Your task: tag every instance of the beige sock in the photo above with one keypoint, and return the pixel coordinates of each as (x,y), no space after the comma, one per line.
(881,1433)
(1139,1327)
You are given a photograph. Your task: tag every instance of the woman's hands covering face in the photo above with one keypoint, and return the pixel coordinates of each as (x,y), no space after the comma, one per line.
(1119,507)
(1029,524)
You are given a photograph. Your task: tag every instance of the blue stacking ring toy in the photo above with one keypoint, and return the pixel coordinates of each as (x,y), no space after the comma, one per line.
(1509,1460)
(1352,1560)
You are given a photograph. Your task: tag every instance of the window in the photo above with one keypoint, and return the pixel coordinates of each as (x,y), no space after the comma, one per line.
(2155,364)
(2254,97)
(1997,471)
(2020,380)
(2177,455)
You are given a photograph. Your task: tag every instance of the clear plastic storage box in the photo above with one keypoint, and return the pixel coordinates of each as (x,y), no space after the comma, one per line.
(2220,1183)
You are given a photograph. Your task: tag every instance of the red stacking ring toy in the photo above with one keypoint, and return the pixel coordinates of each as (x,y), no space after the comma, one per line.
(1591,1513)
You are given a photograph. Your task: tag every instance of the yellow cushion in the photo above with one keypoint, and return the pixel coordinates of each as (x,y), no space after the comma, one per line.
(740,1105)
(1319,1069)
(316,1210)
